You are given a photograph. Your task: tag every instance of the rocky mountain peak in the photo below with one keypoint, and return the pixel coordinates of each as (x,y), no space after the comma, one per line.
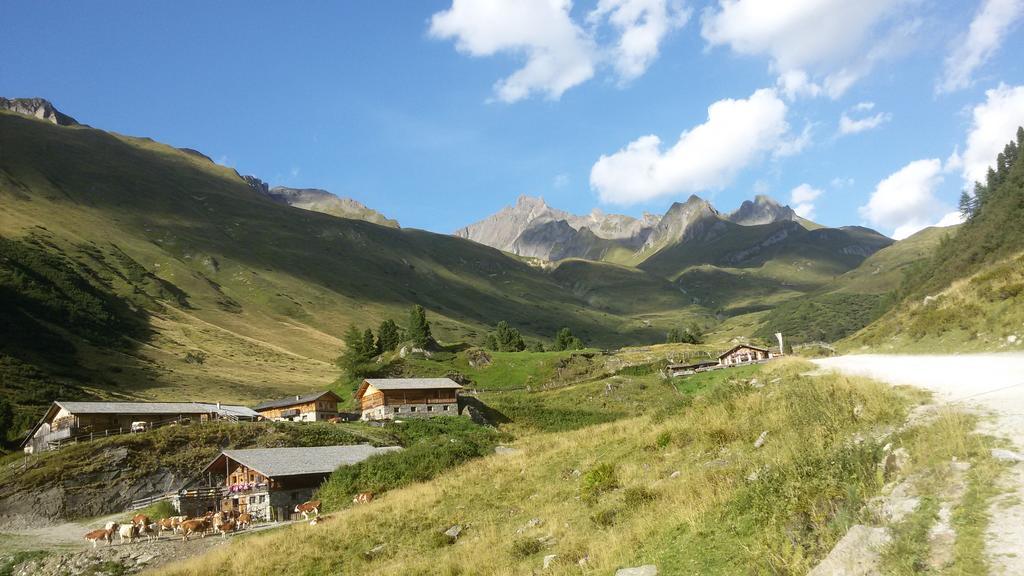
(762,210)
(39,108)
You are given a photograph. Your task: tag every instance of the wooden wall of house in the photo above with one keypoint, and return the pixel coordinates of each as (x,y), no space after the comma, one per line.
(326,404)
(101,422)
(399,397)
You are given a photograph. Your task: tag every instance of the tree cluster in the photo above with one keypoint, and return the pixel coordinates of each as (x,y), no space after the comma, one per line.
(362,346)
(972,204)
(692,334)
(505,339)
(566,340)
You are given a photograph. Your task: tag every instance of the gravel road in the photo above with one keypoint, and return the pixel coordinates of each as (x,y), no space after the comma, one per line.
(992,384)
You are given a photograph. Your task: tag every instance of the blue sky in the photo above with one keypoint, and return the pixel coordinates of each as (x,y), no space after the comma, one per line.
(439,114)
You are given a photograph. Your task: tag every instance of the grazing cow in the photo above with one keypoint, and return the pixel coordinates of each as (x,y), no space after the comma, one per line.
(165,525)
(307,508)
(176,523)
(102,534)
(244,520)
(194,526)
(226,527)
(128,532)
(363,498)
(141,519)
(150,531)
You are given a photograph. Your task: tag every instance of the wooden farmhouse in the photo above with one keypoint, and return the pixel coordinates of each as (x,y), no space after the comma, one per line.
(309,408)
(73,421)
(744,354)
(390,398)
(269,482)
(675,370)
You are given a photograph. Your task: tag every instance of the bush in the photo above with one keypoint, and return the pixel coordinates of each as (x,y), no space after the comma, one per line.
(525,547)
(605,518)
(636,496)
(598,480)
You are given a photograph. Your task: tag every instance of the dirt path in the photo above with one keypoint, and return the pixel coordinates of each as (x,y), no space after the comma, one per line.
(992,384)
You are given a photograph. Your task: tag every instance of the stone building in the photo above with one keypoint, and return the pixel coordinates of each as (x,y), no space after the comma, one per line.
(390,398)
(269,482)
(743,354)
(308,408)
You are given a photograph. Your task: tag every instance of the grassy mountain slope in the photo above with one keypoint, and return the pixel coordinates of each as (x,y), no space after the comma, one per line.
(142,253)
(608,494)
(969,295)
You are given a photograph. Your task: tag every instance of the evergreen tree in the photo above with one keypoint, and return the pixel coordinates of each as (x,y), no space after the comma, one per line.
(388,336)
(419,328)
(508,339)
(354,356)
(369,347)
(1020,137)
(491,342)
(674,336)
(566,340)
(966,205)
(535,346)
(694,334)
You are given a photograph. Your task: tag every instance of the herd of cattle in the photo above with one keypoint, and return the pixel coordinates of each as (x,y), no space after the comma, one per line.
(141,526)
(222,523)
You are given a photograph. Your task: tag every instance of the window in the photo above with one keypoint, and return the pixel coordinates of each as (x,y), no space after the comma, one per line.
(445,407)
(430,408)
(263,498)
(412,409)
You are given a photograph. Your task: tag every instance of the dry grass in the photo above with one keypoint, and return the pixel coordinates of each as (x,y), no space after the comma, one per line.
(790,514)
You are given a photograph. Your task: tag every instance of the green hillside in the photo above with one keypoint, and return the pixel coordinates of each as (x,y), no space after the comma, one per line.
(121,256)
(969,294)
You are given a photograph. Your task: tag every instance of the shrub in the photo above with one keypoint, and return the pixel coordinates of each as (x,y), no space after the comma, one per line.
(636,496)
(598,480)
(525,547)
(605,518)
(663,439)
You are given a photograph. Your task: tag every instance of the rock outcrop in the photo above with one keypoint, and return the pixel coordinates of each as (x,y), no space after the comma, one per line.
(762,210)
(38,108)
(323,201)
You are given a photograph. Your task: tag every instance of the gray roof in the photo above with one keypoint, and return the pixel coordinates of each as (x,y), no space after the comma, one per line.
(159,408)
(277,462)
(292,400)
(411,383)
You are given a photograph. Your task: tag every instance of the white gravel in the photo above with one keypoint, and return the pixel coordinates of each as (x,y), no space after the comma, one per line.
(990,383)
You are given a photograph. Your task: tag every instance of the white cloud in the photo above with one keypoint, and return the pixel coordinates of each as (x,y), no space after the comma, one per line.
(838,182)
(559,54)
(982,40)
(642,25)
(796,83)
(802,198)
(826,36)
(905,201)
(994,124)
(560,180)
(708,156)
(850,125)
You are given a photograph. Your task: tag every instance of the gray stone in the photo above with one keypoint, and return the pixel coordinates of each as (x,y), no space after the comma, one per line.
(549,559)
(646,570)
(454,532)
(375,551)
(1006,455)
(506,450)
(674,474)
(761,439)
(856,554)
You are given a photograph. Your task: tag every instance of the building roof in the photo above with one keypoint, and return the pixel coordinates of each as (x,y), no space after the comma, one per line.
(738,346)
(293,400)
(407,384)
(278,462)
(156,408)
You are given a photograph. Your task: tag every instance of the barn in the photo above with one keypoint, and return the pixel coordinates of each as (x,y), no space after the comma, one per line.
(390,398)
(71,421)
(269,482)
(743,354)
(302,408)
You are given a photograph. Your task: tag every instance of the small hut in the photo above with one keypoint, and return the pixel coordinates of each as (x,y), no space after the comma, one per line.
(743,354)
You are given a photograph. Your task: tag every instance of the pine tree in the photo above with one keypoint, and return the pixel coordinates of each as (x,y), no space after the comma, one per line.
(508,339)
(388,336)
(354,355)
(966,205)
(1020,137)
(565,340)
(369,347)
(491,342)
(674,336)
(419,328)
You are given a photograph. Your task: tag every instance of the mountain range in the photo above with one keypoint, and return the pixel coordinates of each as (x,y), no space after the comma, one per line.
(122,260)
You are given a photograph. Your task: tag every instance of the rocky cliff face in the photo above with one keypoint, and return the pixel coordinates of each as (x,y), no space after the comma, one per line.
(38,108)
(762,210)
(319,201)
(696,218)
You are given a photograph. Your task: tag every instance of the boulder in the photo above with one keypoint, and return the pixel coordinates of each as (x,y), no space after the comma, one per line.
(453,532)
(1007,455)
(761,439)
(856,554)
(549,560)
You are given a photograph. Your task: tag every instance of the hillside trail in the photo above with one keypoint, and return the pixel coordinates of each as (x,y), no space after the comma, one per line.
(988,384)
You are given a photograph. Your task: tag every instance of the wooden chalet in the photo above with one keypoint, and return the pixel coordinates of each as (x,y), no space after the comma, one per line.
(743,354)
(304,408)
(675,370)
(269,482)
(390,398)
(74,421)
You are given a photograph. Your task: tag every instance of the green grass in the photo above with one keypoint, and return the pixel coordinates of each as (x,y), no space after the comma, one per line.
(8,562)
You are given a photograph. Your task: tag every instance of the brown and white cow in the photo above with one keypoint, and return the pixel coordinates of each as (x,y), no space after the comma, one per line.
(194,526)
(363,498)
(226,527)
(244,520)
(141,519)
(307,508)
(102,534)
(128,532)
